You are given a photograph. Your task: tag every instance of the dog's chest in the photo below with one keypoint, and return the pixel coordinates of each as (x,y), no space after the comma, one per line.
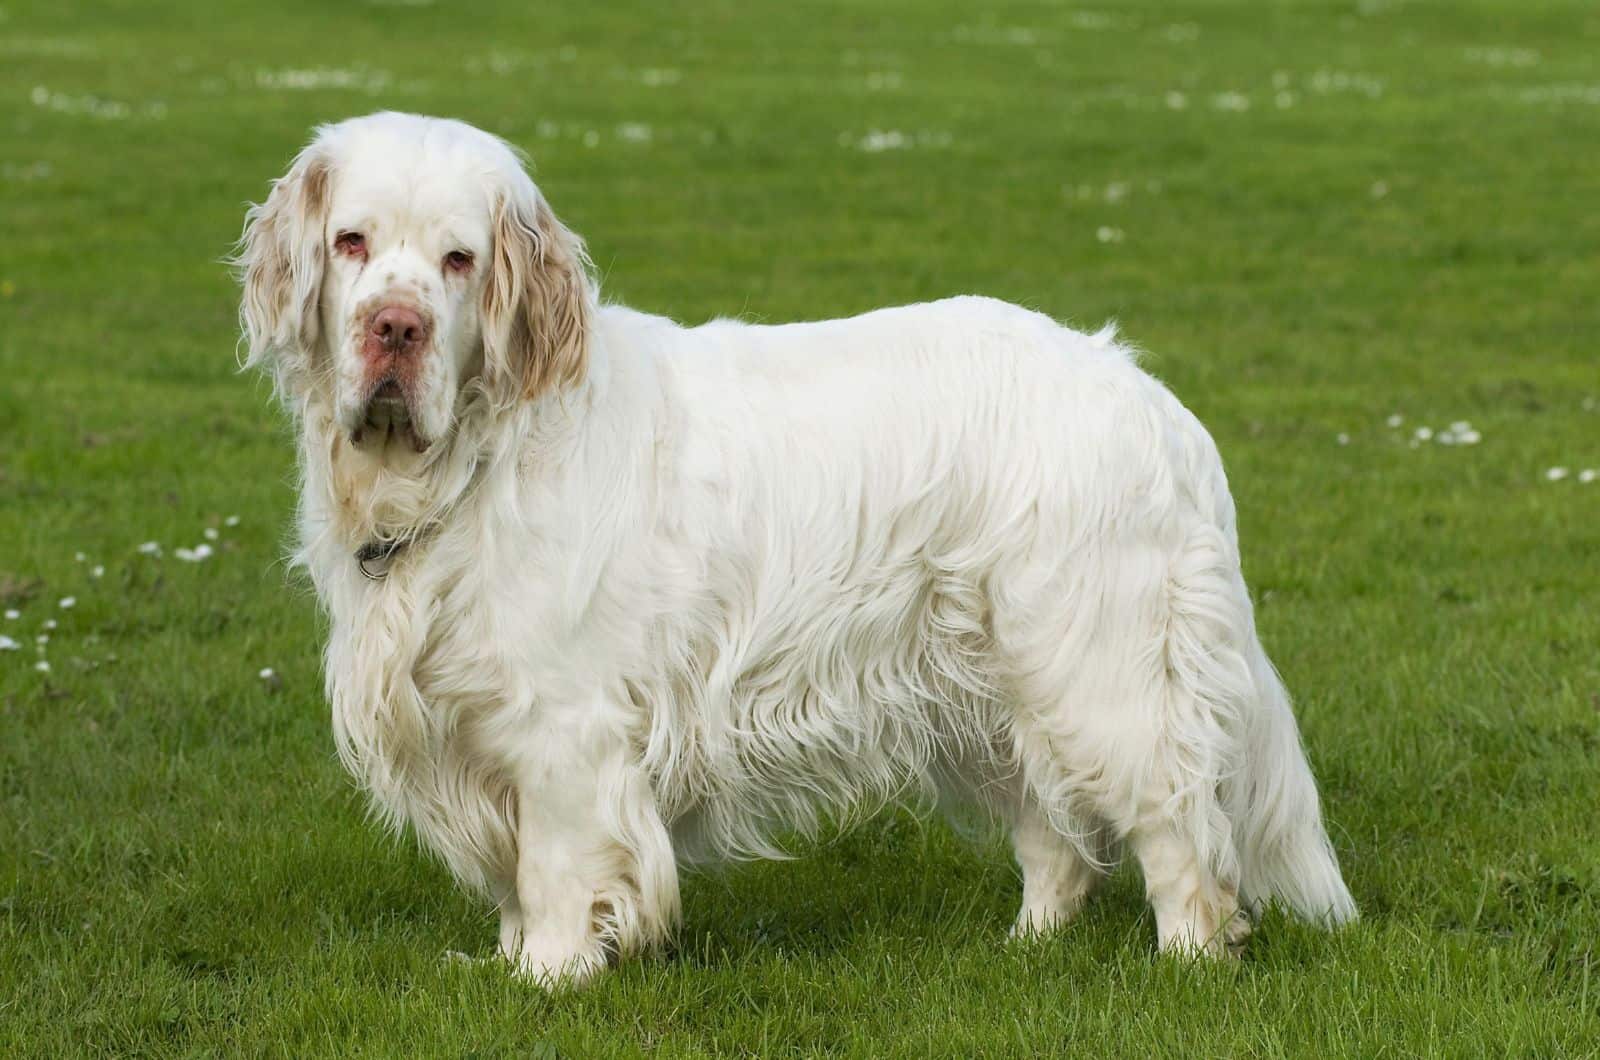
(415,699)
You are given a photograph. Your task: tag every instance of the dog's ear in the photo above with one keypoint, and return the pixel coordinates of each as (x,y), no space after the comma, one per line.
(279,260)
(538,301)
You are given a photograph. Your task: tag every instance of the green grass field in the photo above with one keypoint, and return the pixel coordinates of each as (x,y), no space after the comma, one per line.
(1315,216)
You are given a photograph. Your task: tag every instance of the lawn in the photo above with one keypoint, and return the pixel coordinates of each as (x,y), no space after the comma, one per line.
(1332,224)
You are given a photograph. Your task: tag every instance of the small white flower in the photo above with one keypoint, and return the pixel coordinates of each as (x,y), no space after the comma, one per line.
(43,666)
(1460,427)
(1556,474)
(232,520)
(1379,189)
(266,673)
(12,614)
(150,548)
(1177,101)
(1588,475)
(1395,420)
(211,533)
(7,644)
(79,557)
(98,571)
(68,603)
(1107,234)
(1423,434)
(1343,438)
(43,638)
(655,78)
(49,624)
(193,555)
(877,140)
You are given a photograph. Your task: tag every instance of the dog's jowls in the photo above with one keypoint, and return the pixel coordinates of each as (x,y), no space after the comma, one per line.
(662,593)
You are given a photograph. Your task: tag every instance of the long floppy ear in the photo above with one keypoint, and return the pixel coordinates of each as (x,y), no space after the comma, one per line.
(538,302)
(279,260)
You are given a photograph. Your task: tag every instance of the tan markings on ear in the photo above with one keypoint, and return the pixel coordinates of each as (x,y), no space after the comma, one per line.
(280,258)
(537,304)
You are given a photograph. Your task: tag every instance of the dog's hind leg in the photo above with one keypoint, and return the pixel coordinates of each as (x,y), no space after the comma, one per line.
(1130,713)
(1056,875)
(1199,689)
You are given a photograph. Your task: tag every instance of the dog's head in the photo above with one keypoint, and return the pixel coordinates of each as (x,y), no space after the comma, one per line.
(401,263)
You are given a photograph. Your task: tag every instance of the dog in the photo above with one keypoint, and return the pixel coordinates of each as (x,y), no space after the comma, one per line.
(609,595)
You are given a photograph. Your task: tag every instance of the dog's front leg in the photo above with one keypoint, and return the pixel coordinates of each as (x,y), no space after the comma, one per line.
(596,876)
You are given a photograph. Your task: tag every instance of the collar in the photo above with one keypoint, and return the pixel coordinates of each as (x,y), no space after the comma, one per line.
(372,558)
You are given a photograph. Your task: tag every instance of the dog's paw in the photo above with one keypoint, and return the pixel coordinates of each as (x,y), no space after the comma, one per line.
(1035,924)
(556,971)
(1235,933)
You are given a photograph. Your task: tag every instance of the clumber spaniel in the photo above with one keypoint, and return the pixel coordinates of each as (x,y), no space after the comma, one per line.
(609,593)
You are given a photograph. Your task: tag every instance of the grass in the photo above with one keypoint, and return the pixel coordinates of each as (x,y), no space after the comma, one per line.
(184,870)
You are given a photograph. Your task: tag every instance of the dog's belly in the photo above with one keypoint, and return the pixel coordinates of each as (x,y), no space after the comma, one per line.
(820,721)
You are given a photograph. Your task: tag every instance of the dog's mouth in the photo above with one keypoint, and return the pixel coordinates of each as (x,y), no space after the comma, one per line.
(387,418)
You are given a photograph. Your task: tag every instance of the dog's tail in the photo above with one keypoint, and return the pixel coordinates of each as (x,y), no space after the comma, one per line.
(1285,855)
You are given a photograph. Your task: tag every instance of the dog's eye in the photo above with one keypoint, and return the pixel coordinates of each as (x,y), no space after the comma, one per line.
(351,243)
(458,261)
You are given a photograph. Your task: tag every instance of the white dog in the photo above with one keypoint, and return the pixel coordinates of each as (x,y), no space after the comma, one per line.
(608,593)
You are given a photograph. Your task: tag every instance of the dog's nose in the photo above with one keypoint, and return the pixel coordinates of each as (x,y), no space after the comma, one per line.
(398,329)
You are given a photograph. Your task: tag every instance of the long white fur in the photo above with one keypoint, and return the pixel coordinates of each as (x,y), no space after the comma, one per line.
(725,582)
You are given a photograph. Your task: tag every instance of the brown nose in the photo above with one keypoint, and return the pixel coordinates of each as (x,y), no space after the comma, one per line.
(398,329)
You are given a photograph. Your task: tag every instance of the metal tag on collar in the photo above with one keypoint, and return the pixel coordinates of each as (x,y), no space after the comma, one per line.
(374,552)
